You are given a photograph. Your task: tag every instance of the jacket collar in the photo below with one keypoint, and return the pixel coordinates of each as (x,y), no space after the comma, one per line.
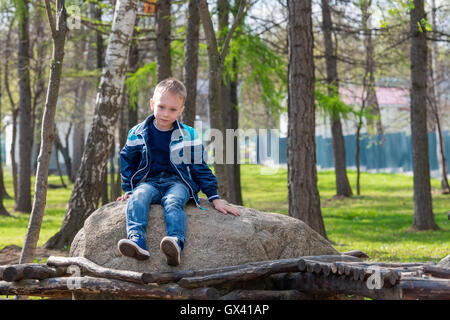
(149,120)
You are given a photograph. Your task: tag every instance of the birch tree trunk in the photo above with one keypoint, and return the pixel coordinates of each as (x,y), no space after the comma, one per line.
(423,208)
(58,29)
(87,188)
(303,195)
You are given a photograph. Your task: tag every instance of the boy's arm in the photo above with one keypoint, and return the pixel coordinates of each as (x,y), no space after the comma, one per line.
(203,176)
(207,181)
(201,173)
(130,156)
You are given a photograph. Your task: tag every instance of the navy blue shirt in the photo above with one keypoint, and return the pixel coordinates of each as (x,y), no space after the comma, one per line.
(159,150)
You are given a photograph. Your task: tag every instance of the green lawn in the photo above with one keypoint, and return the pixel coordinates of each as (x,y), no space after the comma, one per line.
(377,222)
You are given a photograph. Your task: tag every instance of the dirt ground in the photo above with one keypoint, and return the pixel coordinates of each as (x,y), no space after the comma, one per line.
(11,254)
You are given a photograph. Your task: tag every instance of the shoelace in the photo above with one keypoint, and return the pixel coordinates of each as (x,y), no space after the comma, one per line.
(135,238)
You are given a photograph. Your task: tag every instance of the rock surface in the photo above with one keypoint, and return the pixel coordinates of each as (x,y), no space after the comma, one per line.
(213,239)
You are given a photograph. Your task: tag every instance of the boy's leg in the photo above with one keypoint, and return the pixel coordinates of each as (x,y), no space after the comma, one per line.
(138,206)
(175,198)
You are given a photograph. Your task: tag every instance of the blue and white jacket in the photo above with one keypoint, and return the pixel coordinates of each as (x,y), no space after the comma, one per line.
(187,158)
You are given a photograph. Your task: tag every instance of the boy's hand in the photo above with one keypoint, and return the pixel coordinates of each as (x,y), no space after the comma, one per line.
(224,208)
(123,197)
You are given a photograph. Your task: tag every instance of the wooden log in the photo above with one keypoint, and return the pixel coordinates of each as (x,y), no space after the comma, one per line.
(113,287)
(166,277)
(356,253)
(244,274)
(388,277)
(92,269)
(334,268)
(414,288)
(436,271)
(41,272)
(310,266)
(319,287)
(14,272)
(317,269)
(265,295)
(333,258)
(326,268)
(357,273)
(302,265)
(2,268)
(390,264)
(340,268)
(348,270)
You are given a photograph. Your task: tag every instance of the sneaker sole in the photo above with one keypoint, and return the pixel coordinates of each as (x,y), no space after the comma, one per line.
(129,249)
(169,248)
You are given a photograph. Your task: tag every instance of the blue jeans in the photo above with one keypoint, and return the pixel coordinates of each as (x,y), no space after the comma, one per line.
(166,189)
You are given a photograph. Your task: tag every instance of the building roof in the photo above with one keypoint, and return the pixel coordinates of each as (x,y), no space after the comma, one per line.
(387,97)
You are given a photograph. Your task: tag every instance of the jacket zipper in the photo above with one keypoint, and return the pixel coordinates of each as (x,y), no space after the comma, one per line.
(192,191)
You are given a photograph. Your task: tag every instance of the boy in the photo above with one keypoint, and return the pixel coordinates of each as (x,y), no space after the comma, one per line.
(152,174)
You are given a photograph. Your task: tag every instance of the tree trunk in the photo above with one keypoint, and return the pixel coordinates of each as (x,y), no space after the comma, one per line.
(303,195)
(163,56)
(191,62)
(3,194)
(14,110)
(39,77)
(436,105)
(235,172)
(229,111)
(423,209)
(342,184)
(23,202)
(216,60)
(132,105)
(59,30)
(78,131)
(87,188)
(63,150)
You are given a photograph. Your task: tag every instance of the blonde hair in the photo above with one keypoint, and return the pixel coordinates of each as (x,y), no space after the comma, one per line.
(173,86)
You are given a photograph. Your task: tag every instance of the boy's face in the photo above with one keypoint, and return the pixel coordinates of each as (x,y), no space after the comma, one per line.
(166,107)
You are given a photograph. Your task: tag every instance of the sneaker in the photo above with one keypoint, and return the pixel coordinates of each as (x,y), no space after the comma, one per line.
(134,247)
(169,246)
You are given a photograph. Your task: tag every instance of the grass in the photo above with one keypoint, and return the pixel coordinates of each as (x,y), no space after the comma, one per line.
(377,222)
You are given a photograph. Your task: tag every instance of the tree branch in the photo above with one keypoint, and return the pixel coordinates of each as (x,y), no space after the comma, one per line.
(51,20)
(236,22)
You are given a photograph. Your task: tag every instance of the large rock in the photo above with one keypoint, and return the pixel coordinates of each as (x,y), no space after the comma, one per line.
(213,239)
